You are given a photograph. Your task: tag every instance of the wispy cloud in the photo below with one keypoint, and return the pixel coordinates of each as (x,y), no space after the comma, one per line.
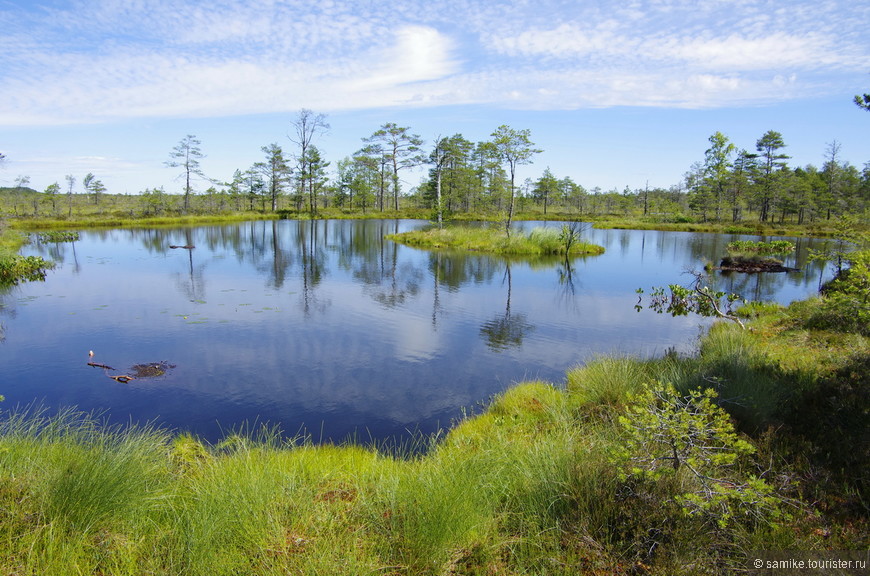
(732,53)
(92,61)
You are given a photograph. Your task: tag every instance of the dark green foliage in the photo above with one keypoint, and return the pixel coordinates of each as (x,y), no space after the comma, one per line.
(831,417)
(845,302)
(15,269)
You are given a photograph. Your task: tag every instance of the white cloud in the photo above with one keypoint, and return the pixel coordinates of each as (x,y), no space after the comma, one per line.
(714,53)
(93,61)
(418,54)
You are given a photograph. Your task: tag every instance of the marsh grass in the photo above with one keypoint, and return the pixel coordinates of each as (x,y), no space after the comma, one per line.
(85,490)
(493,240)
(605,383)
(122,220)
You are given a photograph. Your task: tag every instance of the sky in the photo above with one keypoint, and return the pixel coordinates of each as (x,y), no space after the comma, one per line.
(615,94)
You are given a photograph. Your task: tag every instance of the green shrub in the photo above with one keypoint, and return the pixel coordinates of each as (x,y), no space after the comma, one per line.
(845,302)
(15,268)
(691,437)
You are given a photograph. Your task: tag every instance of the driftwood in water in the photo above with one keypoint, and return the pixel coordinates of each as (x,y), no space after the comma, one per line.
(98,365)
(182,247)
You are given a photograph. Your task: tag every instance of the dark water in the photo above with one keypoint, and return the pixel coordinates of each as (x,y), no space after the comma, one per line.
(326,328)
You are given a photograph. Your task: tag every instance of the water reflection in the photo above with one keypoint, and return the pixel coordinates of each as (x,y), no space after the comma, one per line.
(327,326)
(508,329)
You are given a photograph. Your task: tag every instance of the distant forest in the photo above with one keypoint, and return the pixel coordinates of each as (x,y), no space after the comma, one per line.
(472,178)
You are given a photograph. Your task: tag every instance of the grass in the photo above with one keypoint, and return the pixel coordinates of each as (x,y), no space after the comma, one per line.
(492,240)
(128,221)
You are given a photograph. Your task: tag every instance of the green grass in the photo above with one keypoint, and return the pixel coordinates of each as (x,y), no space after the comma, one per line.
(121,220)
(752,248)
(493,240)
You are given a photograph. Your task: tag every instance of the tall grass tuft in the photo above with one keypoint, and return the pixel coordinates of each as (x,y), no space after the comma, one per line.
(91,476)
(605,383)
(88,494)
(749,386)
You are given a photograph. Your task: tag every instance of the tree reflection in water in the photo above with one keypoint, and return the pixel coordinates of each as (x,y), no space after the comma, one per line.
(508,329)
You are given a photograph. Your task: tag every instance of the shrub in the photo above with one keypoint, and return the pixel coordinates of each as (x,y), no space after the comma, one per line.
(845,304)
(690,437)
(16,268)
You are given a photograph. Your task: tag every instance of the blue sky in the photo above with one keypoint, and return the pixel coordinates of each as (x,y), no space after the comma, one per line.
(616,93)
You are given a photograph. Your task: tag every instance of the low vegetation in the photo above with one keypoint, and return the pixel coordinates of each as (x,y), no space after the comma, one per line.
(58,236)
(753,248)
(28,209)
(673,465)
(15,268)
(494,240)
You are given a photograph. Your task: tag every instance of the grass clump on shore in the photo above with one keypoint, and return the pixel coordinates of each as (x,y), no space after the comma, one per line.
(492,240)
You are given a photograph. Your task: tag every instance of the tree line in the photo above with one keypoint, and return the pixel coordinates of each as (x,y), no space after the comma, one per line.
(466,177)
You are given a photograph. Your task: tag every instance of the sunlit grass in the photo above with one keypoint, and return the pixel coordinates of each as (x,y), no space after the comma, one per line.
(607,382)
(494,240)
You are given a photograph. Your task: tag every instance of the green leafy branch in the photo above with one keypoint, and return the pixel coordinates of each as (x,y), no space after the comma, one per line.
(698,298)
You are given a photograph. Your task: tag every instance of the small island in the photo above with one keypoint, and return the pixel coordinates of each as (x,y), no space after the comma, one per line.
(751,257)
(538,242)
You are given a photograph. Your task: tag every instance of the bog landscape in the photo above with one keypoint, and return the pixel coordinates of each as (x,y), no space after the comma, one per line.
(311,370)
